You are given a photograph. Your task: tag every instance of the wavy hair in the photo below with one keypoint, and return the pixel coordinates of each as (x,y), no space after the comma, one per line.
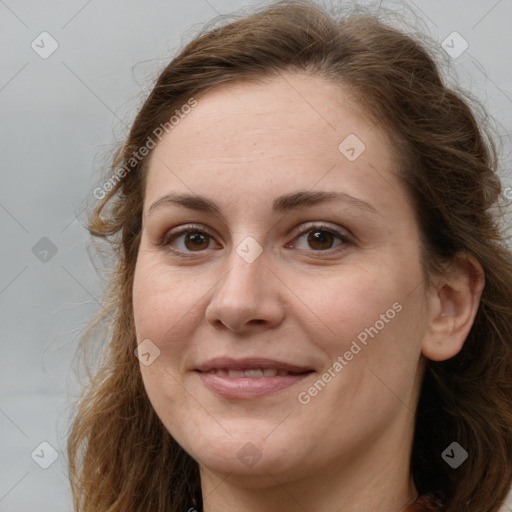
(121,457)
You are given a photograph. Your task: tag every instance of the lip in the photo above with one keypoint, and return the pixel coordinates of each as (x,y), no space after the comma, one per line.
(249,387)
(247,363)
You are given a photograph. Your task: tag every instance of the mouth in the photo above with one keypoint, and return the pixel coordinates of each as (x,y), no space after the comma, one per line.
(249,378)
(252,373)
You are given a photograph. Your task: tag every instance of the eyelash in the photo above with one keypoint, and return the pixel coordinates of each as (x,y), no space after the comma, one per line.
(298,232)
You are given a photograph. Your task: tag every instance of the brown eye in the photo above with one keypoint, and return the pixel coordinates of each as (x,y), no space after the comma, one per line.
(196,241)
(187,240)
(320,240)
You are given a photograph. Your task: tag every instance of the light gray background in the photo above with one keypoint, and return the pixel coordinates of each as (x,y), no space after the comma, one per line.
(60,117)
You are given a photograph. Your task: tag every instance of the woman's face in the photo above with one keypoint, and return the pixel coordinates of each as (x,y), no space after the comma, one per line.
(269,351)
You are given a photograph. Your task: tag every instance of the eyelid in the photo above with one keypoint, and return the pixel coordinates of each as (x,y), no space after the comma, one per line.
(169,236)
(180,230)
(341,233)
(298,231)
(321,225)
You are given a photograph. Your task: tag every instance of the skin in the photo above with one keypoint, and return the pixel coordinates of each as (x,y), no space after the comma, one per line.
(348,448)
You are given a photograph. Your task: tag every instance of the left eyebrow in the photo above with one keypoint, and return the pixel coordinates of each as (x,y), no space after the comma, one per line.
(302,198)
(282,204)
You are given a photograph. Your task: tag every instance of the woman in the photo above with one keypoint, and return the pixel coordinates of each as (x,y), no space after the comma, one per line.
(311,304)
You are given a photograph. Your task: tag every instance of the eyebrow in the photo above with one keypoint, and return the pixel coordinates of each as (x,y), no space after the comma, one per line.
(282,204)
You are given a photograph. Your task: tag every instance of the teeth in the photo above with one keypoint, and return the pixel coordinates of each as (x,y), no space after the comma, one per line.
(254,373)
(235,373)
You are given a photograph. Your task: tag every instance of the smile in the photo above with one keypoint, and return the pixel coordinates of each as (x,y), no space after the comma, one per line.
(254,373)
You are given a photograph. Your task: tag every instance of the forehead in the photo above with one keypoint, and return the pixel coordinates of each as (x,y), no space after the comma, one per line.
(255,140)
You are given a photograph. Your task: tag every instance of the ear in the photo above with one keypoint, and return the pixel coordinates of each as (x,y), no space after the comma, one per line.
(453,303)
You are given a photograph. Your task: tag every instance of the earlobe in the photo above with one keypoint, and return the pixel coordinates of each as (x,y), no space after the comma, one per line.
(454,302)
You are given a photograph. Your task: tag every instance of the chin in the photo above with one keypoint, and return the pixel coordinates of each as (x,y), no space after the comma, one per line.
(254,461)
(261,475)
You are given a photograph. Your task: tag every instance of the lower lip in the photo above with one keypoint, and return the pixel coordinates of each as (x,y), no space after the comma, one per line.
(249,387)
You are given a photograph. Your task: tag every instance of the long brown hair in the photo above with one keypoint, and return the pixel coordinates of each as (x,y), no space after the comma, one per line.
(121,458)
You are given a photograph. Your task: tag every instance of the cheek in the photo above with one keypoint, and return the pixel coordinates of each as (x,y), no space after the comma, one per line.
(163,298)
(374,324)
(343,303)
(368,316)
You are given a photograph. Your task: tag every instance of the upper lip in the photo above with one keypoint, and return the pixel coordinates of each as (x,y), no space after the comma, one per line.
(249,363)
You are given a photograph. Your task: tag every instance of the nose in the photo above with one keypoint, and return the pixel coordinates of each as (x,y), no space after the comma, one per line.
(247,298)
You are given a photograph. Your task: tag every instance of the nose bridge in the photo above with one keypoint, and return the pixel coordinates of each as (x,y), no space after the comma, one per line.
(244,280)
(245,294)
